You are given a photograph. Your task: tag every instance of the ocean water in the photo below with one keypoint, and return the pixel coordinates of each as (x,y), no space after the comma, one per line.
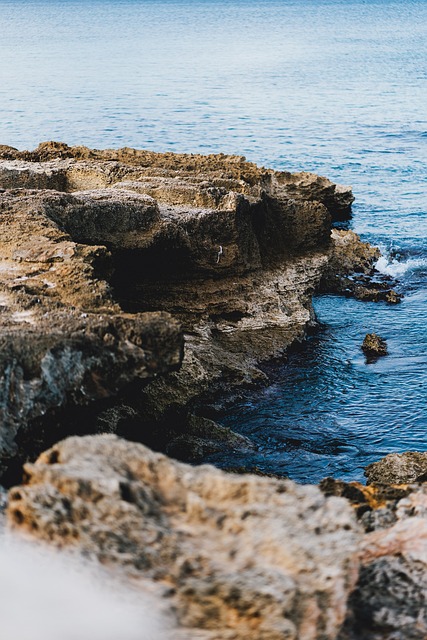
(336,87)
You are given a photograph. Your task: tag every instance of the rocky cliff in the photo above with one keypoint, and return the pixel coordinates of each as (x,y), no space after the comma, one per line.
(97,247)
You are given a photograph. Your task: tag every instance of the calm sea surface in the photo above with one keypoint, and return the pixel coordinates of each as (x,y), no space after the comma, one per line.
(336,87)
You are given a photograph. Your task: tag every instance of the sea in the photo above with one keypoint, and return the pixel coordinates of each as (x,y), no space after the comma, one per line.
(338,87)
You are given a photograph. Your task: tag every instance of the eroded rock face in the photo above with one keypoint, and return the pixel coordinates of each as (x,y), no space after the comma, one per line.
(64,341)
(232,250)
(245,557)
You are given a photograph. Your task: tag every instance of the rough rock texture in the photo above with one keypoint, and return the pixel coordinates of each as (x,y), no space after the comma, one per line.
(373,345)
(244,557)
(224,173)
(350,270)
(89,240)
(398,468)
(390,600)
(64,341)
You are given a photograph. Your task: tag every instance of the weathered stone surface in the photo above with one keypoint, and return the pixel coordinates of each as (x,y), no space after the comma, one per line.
(390,600)
(337,198)
(373,345)
(64,341)
(235,251)
(232,250)
(398,468)
(213,173)
(245,557)
(349,254)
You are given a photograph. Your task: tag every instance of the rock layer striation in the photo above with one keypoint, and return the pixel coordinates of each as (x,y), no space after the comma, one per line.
(97,247)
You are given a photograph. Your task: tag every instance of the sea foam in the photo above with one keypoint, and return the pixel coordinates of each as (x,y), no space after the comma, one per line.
(395,268)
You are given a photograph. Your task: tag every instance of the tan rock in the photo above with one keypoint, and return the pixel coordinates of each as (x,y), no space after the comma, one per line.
(373,345)
(398,468)
(232,250)
(245,557)
(64,340)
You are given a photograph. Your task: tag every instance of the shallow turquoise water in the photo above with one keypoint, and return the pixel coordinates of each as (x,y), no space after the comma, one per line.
(339,88)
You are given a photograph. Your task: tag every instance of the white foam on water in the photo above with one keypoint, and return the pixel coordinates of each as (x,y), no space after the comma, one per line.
(396,269)
(46,596)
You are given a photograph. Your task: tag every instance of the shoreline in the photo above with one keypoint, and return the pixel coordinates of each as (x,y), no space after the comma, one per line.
(133,285)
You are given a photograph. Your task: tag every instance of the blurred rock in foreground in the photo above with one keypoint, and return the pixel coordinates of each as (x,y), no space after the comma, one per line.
(244,557)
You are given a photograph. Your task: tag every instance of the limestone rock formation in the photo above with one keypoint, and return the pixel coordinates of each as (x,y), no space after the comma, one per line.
(398,468)
(350,270)
(91,241)
(244,557)
(64,341)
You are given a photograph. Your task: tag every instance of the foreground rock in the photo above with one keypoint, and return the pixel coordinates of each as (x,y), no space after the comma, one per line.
(244,557)
(390,598)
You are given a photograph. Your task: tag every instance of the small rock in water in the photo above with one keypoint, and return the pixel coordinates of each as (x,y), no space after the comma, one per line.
(373,345)
(398,468)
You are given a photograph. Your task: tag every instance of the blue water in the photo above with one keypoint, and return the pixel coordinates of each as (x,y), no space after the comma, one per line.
(336,87)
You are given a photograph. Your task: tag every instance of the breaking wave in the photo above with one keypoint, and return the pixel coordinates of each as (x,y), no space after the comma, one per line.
(396,268)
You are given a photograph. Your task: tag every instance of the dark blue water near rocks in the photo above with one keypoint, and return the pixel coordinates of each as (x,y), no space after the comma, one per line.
(336,87)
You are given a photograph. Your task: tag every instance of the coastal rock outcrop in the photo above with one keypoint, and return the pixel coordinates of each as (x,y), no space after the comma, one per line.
(92,241)
(243,557)
(64,341)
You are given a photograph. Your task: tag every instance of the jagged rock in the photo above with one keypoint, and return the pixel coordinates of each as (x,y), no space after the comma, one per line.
(398,468)
(374,505)
(390,600)
(376,292)
(64,341)
(232,250)
(337,198)
(245,557)
(373,345)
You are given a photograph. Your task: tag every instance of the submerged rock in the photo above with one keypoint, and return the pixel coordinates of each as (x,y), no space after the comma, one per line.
(245,557)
